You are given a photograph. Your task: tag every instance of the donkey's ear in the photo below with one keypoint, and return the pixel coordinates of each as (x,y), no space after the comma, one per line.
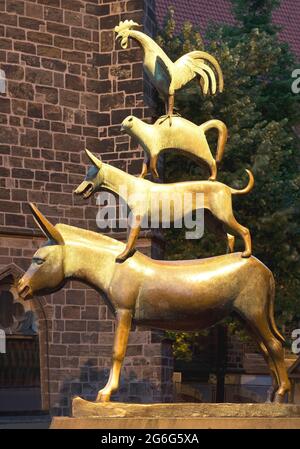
(94,160)
(46,227)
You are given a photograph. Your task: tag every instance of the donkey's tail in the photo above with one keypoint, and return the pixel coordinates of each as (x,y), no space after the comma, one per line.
(272,323)
(222,138)
(248,188)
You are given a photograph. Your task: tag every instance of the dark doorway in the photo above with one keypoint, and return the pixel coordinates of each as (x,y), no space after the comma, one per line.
(20,386)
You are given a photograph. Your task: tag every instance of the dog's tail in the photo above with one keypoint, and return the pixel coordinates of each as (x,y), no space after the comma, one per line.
(222,138)
(248,188)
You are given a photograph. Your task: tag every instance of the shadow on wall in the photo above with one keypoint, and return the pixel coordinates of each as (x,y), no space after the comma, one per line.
(91,380)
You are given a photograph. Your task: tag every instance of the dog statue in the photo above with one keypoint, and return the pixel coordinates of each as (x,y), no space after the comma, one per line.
(183,136)
(144,199)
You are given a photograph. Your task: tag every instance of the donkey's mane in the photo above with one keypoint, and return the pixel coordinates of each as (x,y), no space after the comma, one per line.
(72,234)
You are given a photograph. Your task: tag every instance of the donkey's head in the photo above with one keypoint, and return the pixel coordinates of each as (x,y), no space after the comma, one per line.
(93,179)
(46,272)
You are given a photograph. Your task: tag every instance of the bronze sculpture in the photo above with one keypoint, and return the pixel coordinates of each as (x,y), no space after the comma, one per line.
(168,76)
(144,199)
(202,292)
(185,295)
(183,135)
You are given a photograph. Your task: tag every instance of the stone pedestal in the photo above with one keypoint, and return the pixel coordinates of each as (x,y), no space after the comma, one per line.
(116,415)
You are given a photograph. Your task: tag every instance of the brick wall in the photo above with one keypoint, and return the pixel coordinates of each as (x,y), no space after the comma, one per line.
(69,86)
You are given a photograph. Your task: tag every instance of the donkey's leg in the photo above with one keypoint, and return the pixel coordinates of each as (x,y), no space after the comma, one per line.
(268,359)
(133,235)
(274,348)
(124,318)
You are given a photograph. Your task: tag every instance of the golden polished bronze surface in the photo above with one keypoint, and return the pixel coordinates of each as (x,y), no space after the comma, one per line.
(146,199)
(168,76)
(185,295)
(180,295)
(183,135)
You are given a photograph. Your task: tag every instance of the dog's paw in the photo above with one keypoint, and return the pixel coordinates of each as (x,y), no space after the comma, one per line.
(121,258)
(246,253)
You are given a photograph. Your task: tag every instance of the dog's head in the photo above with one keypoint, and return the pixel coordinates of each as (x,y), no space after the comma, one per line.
(93,179)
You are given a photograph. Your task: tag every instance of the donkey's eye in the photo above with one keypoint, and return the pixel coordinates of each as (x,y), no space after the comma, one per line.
(38,260)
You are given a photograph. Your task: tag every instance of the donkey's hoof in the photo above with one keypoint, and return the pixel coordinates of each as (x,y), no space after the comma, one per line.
(279,398)
(102,397)
(246,253)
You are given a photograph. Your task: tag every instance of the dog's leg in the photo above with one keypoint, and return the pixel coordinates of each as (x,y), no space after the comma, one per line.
(124,318)
(230,242)
(133,235)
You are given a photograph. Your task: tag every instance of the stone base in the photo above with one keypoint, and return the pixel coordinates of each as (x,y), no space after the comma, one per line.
(174,423)
(116,415)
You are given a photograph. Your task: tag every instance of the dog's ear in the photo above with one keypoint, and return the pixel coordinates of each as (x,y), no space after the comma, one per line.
(94,160)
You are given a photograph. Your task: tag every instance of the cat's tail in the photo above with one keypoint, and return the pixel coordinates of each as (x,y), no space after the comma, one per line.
(222,138)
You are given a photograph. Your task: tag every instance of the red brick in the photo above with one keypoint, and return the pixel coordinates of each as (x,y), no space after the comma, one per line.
(63,42)
(54,64)
(8,135)
(48,94)
(5,105)
(38,76)
(73,18)
(58,28)
(13,72)
(74,82)
(15,6)
(54,14)
(35,110)
(33,24)
(31,60)
(15,33)
(52,112)
(25,47)
(68,143)
(98,86)
(33,10)
(49,52)
(69,98)
(8,19)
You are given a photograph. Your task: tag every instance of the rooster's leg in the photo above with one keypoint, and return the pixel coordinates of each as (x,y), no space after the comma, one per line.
(169,109)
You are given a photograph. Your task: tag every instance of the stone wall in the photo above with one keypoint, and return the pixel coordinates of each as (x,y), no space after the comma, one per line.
(68,86)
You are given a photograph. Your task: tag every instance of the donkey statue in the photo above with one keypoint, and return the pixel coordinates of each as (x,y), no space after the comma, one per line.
(184,295)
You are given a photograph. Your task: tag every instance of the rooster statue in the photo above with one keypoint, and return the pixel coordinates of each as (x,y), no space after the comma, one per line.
(168,76)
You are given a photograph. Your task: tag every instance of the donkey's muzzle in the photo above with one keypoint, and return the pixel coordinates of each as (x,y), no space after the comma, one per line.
(24,290)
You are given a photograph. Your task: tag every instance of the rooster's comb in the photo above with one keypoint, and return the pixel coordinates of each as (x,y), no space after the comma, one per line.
(126,25)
